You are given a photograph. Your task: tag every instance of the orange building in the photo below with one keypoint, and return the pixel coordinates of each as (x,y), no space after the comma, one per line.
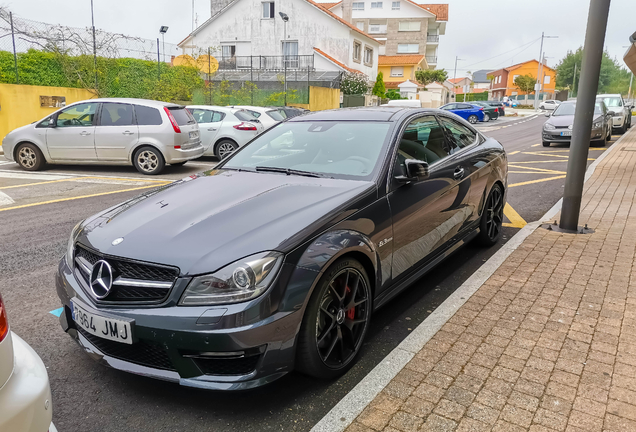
(503,79)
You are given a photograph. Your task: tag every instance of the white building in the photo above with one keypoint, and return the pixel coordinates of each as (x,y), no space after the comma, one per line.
(248,34)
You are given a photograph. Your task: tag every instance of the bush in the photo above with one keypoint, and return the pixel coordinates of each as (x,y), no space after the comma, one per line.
(354,84)
(393,94)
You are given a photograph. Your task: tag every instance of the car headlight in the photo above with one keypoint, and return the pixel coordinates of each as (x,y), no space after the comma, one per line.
(597,125)
(549,126)
(242,280)
(70,247)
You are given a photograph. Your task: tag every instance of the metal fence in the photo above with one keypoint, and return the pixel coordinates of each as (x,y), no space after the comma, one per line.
(267,63)
(30,34)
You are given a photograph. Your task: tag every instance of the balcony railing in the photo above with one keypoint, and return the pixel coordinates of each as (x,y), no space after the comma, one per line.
(290,62)
(431,59)
(432,38)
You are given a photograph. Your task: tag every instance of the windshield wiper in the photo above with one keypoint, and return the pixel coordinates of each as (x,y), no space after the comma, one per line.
(290,171)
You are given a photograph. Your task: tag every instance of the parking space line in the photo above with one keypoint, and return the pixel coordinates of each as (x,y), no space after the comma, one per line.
(5,199)
(34,175)
(535,145)
(514,153)
(516,221)
(84,178)
(80,197)
(38,183)
(536,181)
(540,170)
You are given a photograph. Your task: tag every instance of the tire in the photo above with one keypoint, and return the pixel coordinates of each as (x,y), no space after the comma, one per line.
(492,217)
(179,164)
(546,144)
(332,322)
(29,157)
(598,143)
(224,148)
(472,119)
(148,160)
(486,118)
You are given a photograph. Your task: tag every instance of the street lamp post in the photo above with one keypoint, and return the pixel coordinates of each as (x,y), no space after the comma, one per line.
(163,30)
(537,86)
(454,78)
(285,18)
(94,46)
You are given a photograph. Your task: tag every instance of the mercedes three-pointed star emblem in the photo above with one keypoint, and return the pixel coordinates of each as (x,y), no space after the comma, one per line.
(101,279)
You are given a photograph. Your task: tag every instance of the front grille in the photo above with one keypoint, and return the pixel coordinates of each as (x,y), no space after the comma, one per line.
(135,271)
(228,366)
(141,353)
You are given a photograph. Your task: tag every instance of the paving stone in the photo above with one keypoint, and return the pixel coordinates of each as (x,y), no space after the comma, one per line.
(483,413)
(429,392)
(521,400)
(435,423)
(450,409)
(417,406)
(374,418)
(406,422)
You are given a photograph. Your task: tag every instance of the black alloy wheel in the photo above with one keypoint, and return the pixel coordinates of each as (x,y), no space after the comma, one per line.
(492,217)
(336,321)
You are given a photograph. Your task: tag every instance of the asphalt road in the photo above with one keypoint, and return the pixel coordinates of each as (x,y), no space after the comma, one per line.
(90,397)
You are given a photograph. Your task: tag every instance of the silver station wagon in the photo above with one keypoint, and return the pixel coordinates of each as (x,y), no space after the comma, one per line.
(147,134)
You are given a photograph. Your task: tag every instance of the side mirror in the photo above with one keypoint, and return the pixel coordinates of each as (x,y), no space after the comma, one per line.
(415,170)
(548,114)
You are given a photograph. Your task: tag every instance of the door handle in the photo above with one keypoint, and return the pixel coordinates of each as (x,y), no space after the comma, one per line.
(84,133)
(211,129)
(459,173)
(128,133)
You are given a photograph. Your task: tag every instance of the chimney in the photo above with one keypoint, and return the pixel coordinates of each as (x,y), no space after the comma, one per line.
(217,5)
(346,10)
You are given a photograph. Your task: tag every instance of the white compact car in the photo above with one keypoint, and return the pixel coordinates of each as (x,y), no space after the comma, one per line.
(25,393)
(268,117)
(144,133)
(224,129)
(549,104)
(622,118)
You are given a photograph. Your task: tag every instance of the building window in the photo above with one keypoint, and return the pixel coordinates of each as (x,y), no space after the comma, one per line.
(268,10)
(546,79)
(368,56)
(397,71)
(52,101)
(410,26)
(357,51)
(395,5)
(377,28)
(360,25)
(228,51)
(408,48)
(357,6)
(376,5)
(514,77)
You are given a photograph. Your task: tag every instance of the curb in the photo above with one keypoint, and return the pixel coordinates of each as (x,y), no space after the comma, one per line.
(350,406)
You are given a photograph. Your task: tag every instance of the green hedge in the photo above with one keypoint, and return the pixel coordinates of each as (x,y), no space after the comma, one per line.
(472,97)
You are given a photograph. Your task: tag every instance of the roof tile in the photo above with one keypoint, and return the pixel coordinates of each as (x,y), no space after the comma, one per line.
(400,60)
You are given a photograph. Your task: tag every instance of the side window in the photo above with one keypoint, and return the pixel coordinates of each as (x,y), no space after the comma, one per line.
(450,107)
(254,113)
(459,135)
(115,114)
(147,116)
(465,106)
(81,115)
(201,115)
(217,116)
(423,139)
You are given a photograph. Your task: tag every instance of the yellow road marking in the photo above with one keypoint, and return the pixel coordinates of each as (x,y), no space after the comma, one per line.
(80,197)
(536,172)
(541,170)
(547,161)
(536,181)
(39,183)
(516,221)
(535,145)
(513,153)
(82,178)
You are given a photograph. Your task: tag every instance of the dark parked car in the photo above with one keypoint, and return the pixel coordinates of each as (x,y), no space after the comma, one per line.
(276,259)
(500,106)
(472,113)
(558,127)
(490,111)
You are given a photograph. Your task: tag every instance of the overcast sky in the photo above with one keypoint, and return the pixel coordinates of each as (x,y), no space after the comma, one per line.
(486,34)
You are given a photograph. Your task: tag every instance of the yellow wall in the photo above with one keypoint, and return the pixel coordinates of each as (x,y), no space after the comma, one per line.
(323,98)
(530,68)
(20,104)
(409,73)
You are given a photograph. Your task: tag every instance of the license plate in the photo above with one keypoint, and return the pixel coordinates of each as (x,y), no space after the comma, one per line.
(103,327)
(566,133)
(194,134)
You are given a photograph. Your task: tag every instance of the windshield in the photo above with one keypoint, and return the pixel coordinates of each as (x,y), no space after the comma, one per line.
(566,109)
(613,102)
(275,115)
(338,149)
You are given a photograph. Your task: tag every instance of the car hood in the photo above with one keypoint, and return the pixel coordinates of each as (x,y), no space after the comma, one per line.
(564,121)
(209,220)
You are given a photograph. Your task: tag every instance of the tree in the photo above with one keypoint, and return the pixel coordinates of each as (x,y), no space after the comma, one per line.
(612,79)
(525,83)
(428,76)
(354,84)
(393,94)
(379,88)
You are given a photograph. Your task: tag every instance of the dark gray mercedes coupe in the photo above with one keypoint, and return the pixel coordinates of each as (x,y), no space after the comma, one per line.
(276,259)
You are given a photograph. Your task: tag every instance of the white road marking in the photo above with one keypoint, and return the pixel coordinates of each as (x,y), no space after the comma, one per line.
(5,199)
(32,176)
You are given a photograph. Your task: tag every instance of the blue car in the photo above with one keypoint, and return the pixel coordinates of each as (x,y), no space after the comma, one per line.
(472,113)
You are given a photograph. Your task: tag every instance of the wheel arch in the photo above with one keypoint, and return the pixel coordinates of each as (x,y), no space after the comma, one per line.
(145,144)
(44,150)
(224,138)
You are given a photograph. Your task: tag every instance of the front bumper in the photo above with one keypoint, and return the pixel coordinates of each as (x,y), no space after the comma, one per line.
(174,155)
(25,399)
(617,122)
(555,135)
(229,347)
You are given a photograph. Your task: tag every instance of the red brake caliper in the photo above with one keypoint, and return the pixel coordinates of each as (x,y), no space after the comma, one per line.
(351,313)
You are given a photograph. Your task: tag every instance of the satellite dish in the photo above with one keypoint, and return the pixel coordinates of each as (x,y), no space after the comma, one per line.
(207,64)
(184,60)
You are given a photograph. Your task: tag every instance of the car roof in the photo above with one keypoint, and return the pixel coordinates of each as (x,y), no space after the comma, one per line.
(254,108)
(146,102)
(383,113)
(608,95)
(217,108)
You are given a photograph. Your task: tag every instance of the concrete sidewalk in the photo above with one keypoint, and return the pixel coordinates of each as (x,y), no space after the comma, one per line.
(547,343)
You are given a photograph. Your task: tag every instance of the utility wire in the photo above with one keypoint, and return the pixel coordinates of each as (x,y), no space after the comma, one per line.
(525,46)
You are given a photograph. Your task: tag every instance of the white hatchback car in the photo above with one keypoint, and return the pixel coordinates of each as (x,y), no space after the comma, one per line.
(268,116)
(25,393)
(622,118)
(224,129)
(549,104)
(144,133)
